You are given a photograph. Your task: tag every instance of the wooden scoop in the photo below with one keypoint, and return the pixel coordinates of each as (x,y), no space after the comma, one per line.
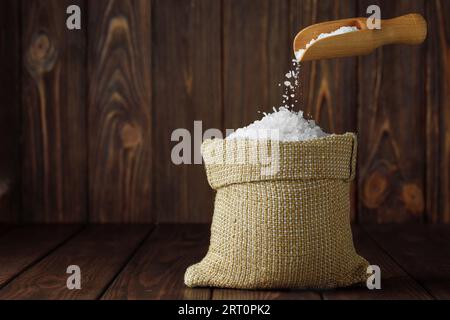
(407,29)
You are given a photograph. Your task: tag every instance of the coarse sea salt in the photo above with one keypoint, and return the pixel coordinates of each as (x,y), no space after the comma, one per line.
(299,53)
(282,125)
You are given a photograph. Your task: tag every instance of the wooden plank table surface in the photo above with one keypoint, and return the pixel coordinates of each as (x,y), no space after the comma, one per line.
(148,262)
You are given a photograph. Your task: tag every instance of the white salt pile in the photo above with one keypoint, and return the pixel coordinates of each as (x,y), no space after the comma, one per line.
(299,53)
(283,125)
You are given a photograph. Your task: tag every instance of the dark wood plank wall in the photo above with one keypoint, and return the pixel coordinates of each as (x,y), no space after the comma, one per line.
(9,111)
(88,114)
(391,127)
(53,114)
(120,111)
(438,112)
(256,56)
(187,87)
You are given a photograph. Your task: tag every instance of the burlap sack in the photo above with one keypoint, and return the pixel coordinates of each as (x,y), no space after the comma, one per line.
(283,224)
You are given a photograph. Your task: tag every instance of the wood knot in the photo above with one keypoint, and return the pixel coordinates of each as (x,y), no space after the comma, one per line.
(375,189)
(3,188)
(412,197)
(188,82)
(40,47)
(41,55)
(131,136)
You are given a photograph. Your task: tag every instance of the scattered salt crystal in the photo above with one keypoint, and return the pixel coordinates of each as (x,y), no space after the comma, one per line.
(289,126)
(299,53)
(283,124)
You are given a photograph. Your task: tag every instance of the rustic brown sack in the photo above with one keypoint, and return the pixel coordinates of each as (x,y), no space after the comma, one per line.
(287,227)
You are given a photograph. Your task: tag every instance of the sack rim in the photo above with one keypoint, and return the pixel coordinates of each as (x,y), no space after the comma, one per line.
(300,142)
(330,157)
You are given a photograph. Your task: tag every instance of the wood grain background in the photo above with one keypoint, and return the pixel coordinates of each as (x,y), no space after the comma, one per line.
(87,115)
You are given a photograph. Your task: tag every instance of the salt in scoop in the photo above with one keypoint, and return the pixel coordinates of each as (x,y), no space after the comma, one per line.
(408,29)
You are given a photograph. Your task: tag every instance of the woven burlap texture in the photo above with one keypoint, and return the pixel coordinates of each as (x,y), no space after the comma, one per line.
(287,227)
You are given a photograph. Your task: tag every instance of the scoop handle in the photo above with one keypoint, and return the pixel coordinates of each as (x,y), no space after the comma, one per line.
(407,29)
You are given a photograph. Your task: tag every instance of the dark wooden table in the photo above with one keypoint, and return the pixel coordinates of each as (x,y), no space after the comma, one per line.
(148,262)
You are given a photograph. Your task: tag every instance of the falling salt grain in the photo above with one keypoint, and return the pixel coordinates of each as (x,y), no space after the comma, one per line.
(282,124)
